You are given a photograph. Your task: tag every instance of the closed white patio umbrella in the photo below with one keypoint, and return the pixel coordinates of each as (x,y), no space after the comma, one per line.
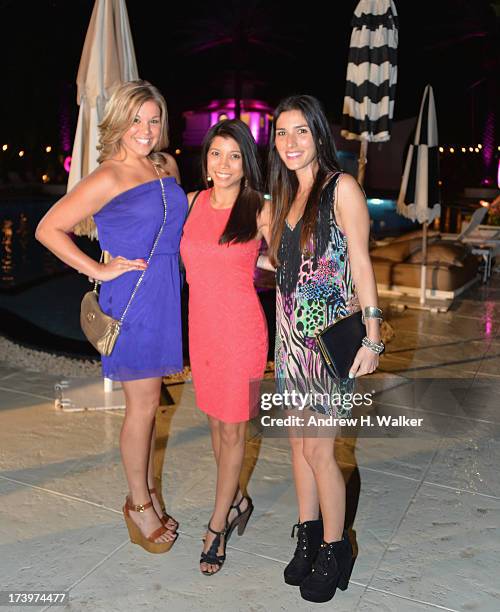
(419,196)
(108,59)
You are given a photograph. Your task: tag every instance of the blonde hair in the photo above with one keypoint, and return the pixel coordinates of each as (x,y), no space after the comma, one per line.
(119,114)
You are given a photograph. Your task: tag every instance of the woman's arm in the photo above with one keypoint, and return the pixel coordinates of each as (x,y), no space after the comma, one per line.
(264,222)
(264,231)
(352,216)
(84,200)
(190,198)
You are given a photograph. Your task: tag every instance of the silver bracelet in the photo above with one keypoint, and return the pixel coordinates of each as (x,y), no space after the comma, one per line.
(373,346)
(372,312)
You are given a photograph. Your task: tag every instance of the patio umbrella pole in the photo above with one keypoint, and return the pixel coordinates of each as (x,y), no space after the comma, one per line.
(363,149)
(423,270)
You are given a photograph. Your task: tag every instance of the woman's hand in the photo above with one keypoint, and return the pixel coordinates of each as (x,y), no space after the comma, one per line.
(365,362)
(118,266)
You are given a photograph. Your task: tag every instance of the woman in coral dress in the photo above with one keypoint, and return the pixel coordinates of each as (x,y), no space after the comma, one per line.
(227,328)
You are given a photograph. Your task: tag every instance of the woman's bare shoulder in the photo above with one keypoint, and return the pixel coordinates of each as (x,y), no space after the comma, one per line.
(169,165)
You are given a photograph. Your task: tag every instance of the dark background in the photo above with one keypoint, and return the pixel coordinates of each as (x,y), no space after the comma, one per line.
(452,44)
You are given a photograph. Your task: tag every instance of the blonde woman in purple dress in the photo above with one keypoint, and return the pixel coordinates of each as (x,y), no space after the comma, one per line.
(124,194)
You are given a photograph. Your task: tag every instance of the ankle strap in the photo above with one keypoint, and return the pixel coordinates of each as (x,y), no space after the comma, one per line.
(218,533)
(237,506)
(138,507)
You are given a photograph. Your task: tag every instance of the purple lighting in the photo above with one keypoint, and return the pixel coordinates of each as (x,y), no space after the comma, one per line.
(65,121)
(488,148)
(255,113)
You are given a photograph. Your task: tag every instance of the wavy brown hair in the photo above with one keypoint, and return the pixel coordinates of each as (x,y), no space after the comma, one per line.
(242,223)
(283,183)
(119,114)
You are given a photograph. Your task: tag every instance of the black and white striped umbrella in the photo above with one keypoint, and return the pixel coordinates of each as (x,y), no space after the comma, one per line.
(371,75)
(419,197)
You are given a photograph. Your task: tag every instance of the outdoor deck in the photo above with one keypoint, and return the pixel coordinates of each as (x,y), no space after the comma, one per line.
(428,508)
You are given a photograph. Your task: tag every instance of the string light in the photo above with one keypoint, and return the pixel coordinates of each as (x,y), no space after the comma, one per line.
(48,149)
(452,150)
(463,149)
(177,151)
(471,149)
(21,153)
(45,178)
(5,147)
(441,150)
(479,146)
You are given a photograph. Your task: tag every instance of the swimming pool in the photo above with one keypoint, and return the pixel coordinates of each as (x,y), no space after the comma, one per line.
(23,260)
(385,220)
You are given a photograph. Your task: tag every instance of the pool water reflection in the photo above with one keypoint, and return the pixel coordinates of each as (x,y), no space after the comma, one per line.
(22,258)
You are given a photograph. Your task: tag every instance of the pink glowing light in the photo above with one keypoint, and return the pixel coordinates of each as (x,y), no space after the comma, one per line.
(488,318)
(67,163)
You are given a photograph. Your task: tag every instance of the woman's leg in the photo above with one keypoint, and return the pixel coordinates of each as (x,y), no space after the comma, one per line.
(305,482)
(171,523)
(141,400)
(215,426)
(319,455)
(229,464)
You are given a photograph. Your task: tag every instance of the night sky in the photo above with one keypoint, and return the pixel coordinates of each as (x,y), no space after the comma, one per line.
(454,45)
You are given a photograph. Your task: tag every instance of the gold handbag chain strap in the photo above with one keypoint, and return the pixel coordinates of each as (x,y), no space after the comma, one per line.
(163,197)
(96,282)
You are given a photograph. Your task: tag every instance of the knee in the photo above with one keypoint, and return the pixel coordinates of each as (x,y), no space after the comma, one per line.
(296,445)
(232,434)
(317,458)
(144,409)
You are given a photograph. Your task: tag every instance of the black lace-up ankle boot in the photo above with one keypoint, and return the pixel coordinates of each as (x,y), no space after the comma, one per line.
(331,569)
(310,536)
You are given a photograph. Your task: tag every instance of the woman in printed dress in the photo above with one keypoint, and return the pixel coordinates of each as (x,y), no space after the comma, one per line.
(319,244)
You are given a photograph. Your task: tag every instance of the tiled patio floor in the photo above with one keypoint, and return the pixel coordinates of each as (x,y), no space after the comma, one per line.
(428,509)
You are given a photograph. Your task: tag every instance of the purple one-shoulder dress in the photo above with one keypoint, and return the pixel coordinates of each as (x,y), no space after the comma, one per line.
(150,341)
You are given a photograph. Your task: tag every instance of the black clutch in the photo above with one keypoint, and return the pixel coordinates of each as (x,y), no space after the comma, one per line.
(339,343)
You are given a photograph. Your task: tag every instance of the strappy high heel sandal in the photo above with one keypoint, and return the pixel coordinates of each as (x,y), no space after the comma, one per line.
(242,519)
(170,523)
(136,535)
(211,557)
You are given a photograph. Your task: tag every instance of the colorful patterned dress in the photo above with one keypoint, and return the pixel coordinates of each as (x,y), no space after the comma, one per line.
(312,292)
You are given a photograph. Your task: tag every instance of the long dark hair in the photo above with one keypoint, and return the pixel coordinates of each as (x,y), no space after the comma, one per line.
(283,183)
(242,223)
